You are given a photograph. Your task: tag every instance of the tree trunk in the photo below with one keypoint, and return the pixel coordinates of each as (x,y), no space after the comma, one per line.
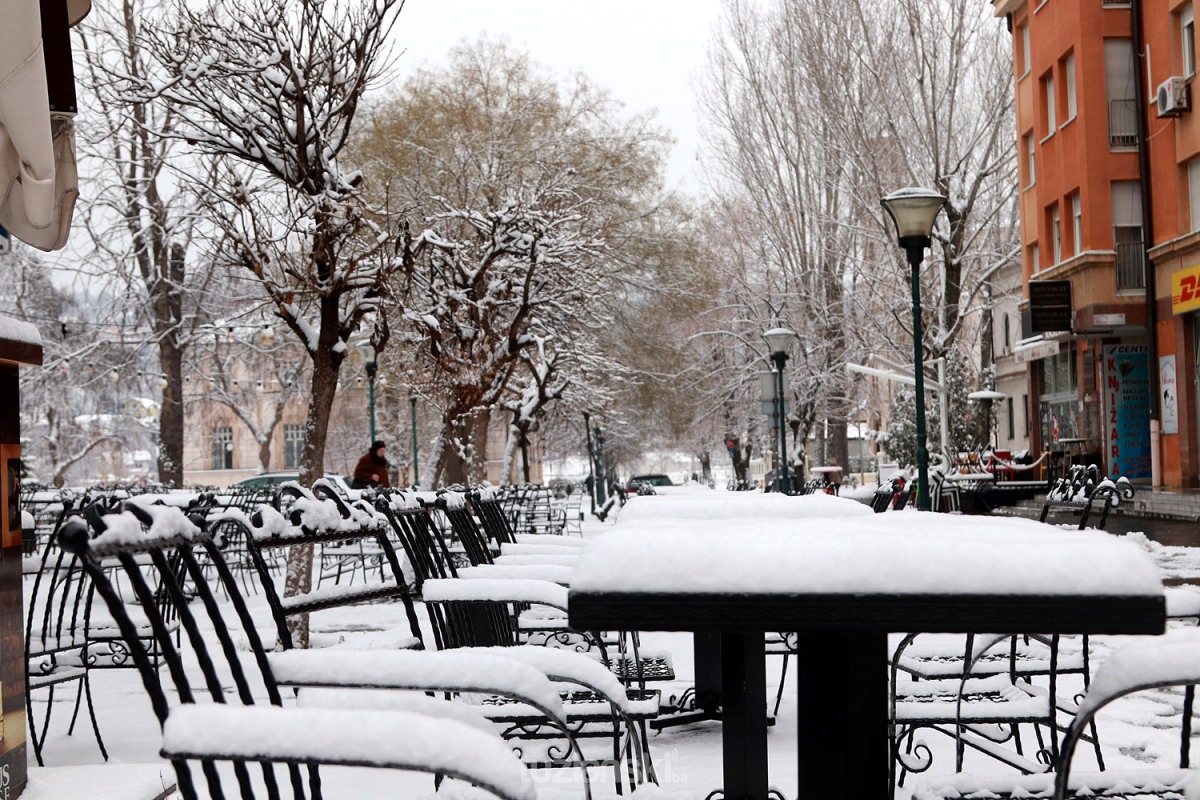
(327,363)
(264,453)
(170,421)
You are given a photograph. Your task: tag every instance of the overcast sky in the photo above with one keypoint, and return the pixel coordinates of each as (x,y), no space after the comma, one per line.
(646,52)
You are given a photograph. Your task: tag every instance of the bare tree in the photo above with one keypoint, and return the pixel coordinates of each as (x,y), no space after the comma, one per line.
(272,89)
(487,287)
(141,221)
(815,111)
(494,132)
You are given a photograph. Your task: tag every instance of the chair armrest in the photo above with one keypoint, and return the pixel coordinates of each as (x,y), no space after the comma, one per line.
(350,738)
(500,590)
(448,671)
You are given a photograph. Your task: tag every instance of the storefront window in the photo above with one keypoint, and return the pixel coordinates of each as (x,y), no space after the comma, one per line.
(1059,401)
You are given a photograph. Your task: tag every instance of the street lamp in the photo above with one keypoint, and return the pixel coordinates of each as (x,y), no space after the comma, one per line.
(371,363)
(779,342)
(913,212)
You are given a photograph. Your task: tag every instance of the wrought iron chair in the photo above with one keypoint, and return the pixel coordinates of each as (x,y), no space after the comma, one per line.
(204,724)
(1149,664)
(59,605)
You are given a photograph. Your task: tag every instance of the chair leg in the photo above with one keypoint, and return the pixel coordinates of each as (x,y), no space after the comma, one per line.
(33,734)
(87,689)
(779,691)
(75,713)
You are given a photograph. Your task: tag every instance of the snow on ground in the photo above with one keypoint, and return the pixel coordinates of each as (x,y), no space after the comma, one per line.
(1135,732)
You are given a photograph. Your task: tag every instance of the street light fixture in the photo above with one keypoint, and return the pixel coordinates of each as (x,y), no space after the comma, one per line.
(779,342)
(913,212)
(371,364)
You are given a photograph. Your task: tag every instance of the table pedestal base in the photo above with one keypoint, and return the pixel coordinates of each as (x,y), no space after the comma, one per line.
(843,743)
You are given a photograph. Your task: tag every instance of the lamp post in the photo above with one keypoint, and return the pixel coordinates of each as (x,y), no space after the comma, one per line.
(913,212)
(779,341)
(412,403)
(371,364)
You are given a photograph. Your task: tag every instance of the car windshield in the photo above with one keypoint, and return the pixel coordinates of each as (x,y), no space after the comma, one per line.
(653,480)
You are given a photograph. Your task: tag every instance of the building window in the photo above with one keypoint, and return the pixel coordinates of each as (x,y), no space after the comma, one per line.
(1048,94)
(222,447)
(1025,405)
(1007,334)
(1012,422)
(1119,77)
(1056,233)
(293,445)
(1069,72)
(1077,222)
(1194,192)
(1023,51)
(1127,234)
(1035,259)
(1187,39)
(1030,159)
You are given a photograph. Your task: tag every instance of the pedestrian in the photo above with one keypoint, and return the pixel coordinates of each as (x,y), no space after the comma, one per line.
(372,469)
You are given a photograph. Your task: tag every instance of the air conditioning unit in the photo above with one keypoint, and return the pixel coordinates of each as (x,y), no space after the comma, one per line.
(1172,97)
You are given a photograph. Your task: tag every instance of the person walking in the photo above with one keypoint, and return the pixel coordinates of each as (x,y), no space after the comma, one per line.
(372,469)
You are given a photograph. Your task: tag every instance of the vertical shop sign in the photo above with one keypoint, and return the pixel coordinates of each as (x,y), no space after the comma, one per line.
(1170,394)
(1127,410)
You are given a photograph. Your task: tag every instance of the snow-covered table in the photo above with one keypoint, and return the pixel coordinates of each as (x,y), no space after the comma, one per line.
(843,581)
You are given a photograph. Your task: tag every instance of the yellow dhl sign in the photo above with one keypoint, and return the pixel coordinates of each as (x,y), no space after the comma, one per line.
(1185,290)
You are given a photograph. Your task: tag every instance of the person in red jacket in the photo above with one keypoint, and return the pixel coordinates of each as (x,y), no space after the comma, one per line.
(372,469)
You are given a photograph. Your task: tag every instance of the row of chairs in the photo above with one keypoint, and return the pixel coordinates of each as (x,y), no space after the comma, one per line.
(460,615)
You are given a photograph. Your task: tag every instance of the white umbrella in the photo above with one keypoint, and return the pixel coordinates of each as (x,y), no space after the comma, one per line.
(38,178)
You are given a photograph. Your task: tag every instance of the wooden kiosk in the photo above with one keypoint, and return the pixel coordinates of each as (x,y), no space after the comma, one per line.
(20,345)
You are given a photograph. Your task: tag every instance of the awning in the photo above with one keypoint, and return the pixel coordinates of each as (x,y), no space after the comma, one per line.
(38,178)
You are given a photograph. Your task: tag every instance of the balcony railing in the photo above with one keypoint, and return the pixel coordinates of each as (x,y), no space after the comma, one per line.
(1122,123)
(1131,265)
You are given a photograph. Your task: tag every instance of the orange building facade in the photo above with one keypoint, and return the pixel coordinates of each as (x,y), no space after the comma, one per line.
(1109,170)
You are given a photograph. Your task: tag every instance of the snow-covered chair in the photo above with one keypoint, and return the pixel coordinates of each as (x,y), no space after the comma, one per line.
(327,521)
(225,708)
(979,691)
(1082,491)
(484,615)
(1155,663)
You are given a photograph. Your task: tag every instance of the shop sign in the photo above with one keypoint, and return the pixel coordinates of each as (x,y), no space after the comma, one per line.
(1170,394)
(1127,410)
(1036,352)
(1109,320)
(1185,290)
(1050,306)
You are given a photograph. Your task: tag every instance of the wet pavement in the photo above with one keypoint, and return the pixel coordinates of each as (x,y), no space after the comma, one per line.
(1173,532)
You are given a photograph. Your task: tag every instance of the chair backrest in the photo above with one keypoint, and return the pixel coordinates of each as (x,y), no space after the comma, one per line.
(59,607)
(312,523)
(487,506)
(473,540)
(169,539)
(422,543)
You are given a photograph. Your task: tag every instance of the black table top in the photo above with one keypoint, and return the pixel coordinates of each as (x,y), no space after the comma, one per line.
(1025,613)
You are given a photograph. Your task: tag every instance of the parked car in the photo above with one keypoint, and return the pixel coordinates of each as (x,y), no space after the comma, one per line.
(637,481)
(275,478)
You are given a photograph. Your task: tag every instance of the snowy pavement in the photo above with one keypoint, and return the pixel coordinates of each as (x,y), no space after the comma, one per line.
(1135,733)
